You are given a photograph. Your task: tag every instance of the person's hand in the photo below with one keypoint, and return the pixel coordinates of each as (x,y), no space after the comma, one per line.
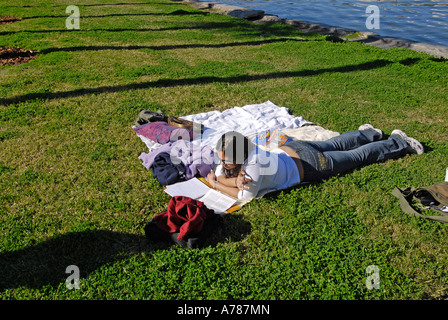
(211,177)
(242,180)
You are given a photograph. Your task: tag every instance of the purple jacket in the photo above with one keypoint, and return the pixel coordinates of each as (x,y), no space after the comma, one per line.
(197,160)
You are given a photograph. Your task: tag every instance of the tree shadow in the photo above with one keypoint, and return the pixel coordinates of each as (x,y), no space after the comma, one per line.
(93,4)
(238,25)
(161,83)
(5,33)
(174,13)
(45,263)
(168,47)
(127,4)
(409,61)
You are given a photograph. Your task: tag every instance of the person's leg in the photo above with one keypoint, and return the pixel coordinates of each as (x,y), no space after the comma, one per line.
(320,165)
(316,166)
(414,145)
(392,148)
(348,140)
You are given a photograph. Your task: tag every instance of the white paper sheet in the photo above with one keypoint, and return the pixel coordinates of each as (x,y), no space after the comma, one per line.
(217,201)
(192,188)
(196,189)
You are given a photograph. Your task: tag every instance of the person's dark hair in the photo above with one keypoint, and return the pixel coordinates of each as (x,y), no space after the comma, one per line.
(236,148)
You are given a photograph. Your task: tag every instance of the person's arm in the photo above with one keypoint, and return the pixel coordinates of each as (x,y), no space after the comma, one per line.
(223,184)
(231,186)
(231,191)
(253,179)
(229,182)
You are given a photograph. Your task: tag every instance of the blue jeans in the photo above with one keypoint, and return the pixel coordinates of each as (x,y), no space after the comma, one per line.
(348,151)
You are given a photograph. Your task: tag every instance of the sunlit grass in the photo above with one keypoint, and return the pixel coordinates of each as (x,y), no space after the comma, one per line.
(74,192)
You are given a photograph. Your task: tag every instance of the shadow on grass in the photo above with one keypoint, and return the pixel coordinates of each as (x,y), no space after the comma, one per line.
(238,25)
(168,47)
(94,5)
(193,81)
(127,4)
(5,33)
(46,263)
(174,13)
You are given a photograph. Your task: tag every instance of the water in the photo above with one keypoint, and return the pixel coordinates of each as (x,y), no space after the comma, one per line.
(419,20)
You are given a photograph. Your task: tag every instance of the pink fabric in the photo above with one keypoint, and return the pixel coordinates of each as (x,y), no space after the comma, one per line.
(161,132)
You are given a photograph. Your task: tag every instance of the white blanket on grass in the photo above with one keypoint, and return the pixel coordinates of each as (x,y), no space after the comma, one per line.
(249,120)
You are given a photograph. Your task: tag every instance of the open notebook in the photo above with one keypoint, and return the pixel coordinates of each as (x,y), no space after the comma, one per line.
(199,189)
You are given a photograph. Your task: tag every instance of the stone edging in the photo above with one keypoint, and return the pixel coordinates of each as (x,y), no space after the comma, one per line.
(369,38)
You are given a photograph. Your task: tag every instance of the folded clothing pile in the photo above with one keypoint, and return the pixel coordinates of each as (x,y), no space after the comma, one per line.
(172,134)
(197,160)
(166,171)
(186,221)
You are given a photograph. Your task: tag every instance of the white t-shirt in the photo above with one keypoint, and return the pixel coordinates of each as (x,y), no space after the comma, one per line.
(269,171)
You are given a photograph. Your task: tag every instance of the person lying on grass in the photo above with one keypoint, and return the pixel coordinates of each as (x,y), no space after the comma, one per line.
(247,172)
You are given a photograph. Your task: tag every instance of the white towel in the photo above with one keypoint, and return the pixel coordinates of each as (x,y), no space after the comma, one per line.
(249,120)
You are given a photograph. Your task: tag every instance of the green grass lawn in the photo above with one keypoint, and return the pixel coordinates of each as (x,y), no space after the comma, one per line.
(73,191)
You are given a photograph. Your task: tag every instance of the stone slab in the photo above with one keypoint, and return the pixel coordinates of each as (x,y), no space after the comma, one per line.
(237,12)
